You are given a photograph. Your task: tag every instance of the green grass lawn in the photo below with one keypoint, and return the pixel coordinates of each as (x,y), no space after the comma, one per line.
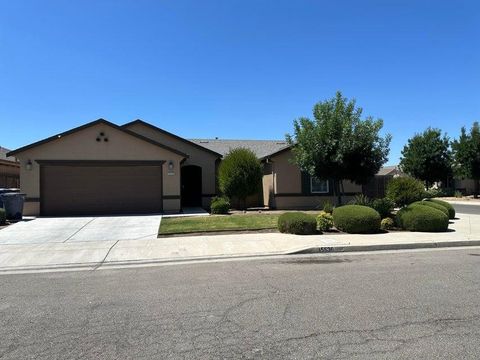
(196,224)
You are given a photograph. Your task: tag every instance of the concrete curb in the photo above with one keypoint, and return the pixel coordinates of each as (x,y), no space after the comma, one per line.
(312,250)
(383,247)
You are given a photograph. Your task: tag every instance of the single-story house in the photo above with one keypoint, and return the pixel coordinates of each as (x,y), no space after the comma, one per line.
(104,168)
(377,186)
(9,170)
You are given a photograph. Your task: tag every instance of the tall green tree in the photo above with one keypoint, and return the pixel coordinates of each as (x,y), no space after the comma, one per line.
(240,174)
(427,157)
(466,154)
(338,144)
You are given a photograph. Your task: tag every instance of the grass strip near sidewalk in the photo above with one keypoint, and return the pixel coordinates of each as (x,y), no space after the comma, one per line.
(199,224)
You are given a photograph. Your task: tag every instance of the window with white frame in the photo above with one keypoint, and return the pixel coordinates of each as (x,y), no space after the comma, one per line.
(318,186)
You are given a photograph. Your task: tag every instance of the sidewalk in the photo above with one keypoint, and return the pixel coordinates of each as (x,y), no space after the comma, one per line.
(92,255)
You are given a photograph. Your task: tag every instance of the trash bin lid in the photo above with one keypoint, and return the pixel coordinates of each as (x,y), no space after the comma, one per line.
(8,194)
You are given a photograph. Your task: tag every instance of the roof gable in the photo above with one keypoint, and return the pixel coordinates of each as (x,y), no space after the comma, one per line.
(88,125)
(164,132)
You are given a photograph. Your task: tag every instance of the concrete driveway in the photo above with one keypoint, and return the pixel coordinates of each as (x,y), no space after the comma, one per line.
(80,229)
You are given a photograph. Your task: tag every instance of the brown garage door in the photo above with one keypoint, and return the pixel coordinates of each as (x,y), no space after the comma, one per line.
(82,188)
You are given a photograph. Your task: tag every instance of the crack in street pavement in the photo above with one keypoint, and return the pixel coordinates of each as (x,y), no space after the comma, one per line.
(395,306)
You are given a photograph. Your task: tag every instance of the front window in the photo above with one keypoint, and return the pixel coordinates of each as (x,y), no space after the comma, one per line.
(318,185)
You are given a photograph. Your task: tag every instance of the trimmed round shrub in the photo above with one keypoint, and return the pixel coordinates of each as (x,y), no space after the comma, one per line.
(405,190)
(383,206)
(219,205)
(448,206)
(356,219)
(297,223)
(3,216)
(324,221)
(387,224)
(422,218)
(432,205)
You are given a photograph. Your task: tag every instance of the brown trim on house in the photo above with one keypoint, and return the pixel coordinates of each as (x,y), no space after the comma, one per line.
(90,124)
(171,197)
(314,194)
(139,121)
(14,164)
(101,162)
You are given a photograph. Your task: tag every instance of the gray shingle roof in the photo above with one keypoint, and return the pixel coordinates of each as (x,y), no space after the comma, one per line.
(3,155)
(389,170)
(261,148)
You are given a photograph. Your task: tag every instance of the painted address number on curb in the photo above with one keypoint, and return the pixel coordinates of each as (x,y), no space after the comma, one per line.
(325,249)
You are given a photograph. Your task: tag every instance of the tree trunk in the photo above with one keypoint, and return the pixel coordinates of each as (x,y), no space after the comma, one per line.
(336,191)
(342,190)
(475,192)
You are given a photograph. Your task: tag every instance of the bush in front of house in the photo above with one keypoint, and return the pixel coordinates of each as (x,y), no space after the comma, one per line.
(417,217)
(297,223)
(448,206)
(240,174)
(405,190)
(356,219)
(361,199)
(387,224)
(3,216)
(383,206)
(432,205)
(328,206)
(219,205)
(324,221)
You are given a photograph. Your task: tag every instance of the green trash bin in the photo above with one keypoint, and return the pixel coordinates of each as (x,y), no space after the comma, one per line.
(13,204)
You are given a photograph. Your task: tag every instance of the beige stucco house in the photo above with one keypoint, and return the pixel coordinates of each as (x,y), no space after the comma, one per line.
(9,170)
(104,168)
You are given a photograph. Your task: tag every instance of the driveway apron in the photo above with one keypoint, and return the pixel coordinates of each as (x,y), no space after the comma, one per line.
(80,229)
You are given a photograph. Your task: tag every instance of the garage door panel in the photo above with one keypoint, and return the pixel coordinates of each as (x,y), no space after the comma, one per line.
(84,190)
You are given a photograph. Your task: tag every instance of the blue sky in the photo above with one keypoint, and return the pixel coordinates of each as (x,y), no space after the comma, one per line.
(235,69)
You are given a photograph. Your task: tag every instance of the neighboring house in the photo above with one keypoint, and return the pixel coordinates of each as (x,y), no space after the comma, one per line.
(377,186)
(9,170)
(103,168)
(465,186)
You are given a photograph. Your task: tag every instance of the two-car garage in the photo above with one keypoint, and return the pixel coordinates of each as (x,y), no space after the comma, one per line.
(99,168)
(100,187)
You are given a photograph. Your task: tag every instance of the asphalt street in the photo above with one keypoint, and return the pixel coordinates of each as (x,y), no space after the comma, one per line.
(467,209)
(402,305)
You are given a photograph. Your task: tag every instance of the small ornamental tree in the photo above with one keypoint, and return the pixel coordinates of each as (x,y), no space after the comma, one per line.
(337,144)
(427,157)
(466,153)
(240,174)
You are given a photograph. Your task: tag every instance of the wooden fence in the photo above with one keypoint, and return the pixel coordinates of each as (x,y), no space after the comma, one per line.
(9,180)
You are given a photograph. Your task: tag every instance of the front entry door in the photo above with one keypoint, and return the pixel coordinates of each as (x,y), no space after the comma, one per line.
(191,182)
